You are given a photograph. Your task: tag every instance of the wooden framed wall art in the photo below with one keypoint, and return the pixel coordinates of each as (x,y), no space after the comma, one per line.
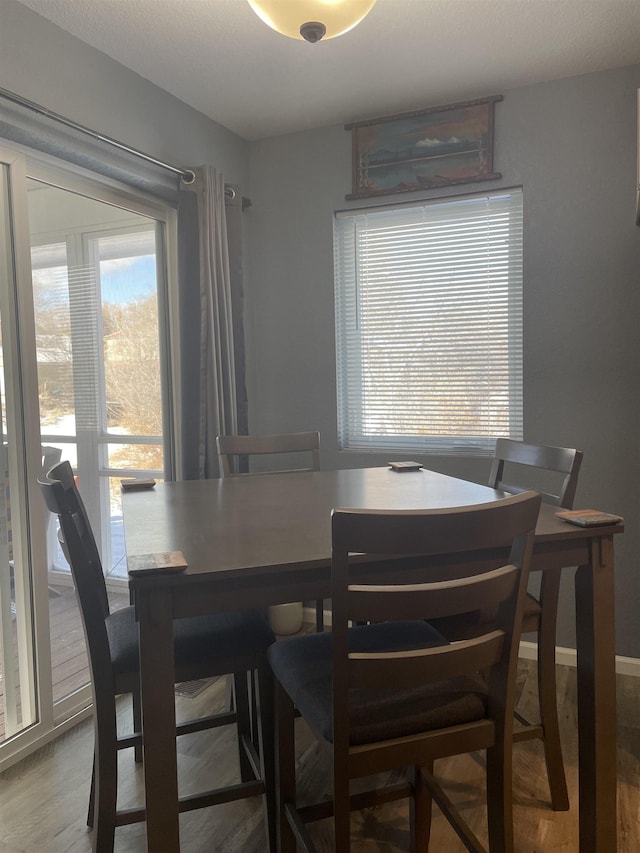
(430,148)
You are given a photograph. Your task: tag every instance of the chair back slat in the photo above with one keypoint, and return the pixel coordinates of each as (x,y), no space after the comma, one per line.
(419,667)
(378,603)
(438,531)
(563,462)
(232,446)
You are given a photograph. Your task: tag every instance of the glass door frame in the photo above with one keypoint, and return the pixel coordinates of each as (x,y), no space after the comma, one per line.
(28,512)
(51,720)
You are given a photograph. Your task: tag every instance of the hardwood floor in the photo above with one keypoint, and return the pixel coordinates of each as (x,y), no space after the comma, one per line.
(43,800)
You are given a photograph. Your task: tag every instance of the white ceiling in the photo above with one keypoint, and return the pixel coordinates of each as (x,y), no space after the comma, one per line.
(218,56)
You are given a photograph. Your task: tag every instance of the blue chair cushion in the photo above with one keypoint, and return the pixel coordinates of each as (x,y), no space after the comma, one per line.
(477,622)
(213,640)
(303,666)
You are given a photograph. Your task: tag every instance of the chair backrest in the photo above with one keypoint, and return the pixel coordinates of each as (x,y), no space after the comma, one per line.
(62,498)
(50,457)
(230,446)
(562,462)
(494,543)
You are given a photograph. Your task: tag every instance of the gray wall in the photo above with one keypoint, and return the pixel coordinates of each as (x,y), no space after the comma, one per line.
(43,63)
(571,145)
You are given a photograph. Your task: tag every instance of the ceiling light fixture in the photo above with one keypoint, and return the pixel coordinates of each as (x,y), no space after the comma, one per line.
(311,20)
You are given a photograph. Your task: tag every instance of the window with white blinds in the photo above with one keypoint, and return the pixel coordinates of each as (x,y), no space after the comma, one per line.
(429,325)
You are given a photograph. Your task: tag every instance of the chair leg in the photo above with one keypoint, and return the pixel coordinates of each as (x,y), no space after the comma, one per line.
(255,717)
(230,704)
(547,692)
(500,797)
(243,722)
(228,695)
(341,808)
(265,725)
(106,786)
(421,807)
(137,723)
(286,767)
(319,615)
(92,794)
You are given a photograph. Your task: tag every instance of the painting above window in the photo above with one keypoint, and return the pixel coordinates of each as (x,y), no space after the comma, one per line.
(422,150)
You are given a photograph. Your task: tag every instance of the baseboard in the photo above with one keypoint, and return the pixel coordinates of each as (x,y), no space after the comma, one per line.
(568,657)
(528,650)
(28,748)
(564,656)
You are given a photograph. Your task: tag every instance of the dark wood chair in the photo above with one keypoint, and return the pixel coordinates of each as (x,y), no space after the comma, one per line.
(553,472)
(557,469)
(394,694)
(230,446)
(232,449)
(205,646)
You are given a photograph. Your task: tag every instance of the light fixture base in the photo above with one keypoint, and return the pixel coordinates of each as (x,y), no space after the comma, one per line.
(311,20)
(313,31)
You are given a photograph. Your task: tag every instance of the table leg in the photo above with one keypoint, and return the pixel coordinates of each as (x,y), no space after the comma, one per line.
(595,632)
(157,679)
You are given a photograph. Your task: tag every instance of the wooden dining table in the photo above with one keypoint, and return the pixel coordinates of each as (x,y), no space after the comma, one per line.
(262,540)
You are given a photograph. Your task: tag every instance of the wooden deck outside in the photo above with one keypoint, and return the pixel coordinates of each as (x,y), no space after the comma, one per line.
(70,670)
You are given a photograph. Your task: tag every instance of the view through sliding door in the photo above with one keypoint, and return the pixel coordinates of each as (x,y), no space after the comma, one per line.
(98,320)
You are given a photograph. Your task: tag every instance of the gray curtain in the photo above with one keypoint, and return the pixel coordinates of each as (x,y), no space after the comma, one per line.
(208,379)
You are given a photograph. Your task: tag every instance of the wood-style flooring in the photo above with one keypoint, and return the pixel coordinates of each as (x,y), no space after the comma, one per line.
(43,799)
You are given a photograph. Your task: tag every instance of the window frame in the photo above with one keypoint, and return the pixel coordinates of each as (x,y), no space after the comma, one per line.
(350,285)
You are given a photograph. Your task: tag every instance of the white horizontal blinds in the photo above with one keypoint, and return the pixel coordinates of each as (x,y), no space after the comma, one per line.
(429,320)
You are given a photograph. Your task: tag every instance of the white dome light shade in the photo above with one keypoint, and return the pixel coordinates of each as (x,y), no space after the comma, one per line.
(311,20)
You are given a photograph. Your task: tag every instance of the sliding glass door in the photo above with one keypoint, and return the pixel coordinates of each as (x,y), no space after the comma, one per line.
(96,347)
(19,689)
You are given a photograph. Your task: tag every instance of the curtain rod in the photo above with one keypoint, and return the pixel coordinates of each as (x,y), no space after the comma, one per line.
(187,175)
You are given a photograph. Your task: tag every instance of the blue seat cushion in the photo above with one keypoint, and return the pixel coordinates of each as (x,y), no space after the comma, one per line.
(211,640)
(303,666)
(477,622)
